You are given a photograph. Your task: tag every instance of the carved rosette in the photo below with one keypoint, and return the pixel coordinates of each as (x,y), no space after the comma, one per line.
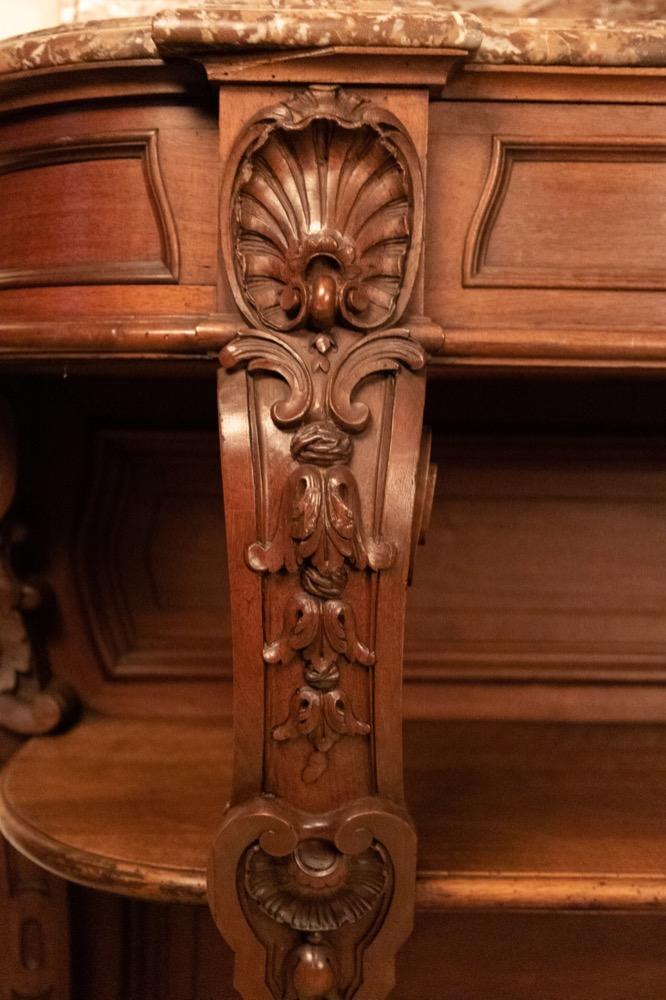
(322,244)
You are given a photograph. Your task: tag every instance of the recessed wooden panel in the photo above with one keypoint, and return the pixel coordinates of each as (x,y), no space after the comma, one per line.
(561,236)
(544,560)
(173,951)
(152,557)
(91,210)
(570,213)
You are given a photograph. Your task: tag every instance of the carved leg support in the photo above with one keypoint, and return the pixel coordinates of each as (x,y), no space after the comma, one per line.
(34,931)
(312,875)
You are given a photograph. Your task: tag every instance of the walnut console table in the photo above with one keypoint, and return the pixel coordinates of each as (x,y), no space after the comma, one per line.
(344,214)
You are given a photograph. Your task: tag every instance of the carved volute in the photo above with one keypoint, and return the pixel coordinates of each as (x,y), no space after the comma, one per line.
(312,875)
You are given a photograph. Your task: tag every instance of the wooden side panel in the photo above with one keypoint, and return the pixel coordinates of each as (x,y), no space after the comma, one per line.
(66,211)
(151,556)
(541,563)
(544,562)
(120,487)
(532,209)
(175,953)
(570,213)
(518,516)
(109,196)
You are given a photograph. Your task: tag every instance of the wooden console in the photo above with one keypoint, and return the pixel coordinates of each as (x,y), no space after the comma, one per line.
(338,248)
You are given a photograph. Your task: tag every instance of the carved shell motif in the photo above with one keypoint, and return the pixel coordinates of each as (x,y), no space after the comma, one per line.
(316,888)
(322,217)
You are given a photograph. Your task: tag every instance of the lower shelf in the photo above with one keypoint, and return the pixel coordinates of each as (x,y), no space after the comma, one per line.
(515,816)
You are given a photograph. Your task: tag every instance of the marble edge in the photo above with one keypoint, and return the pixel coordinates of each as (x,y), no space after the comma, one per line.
(127,38)
(188,31)
(559,42)
(307,24)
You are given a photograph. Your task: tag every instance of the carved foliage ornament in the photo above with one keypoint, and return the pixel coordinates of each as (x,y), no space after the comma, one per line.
(320,536)
(30,703)
(324,202)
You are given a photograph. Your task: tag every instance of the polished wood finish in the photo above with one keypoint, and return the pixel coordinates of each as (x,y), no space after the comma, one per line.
(518,516)
(574,186)
(175,953)
(150,614)
(322,219)
(417,67)
(527,828)
(521,210)
(131,176)
(79,178)
(192,756)
(566,200)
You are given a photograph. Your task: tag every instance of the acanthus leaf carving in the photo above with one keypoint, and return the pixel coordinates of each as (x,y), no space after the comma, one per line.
(263,352)
(324,717)
(383,352)
(321,630)
(340,631)
(320,524)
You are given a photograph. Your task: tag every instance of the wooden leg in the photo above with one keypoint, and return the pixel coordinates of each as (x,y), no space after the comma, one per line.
(312,874)
(34,930)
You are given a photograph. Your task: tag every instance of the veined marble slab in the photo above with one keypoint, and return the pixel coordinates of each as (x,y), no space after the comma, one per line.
(606,10)
(635,36)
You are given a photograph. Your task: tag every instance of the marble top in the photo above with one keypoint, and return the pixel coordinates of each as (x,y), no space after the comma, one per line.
(481,27)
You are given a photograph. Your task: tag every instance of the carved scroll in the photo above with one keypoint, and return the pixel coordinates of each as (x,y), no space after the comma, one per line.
(312,874)
(29,702)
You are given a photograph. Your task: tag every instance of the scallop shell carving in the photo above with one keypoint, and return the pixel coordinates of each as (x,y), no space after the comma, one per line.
(316,889)
(322,224)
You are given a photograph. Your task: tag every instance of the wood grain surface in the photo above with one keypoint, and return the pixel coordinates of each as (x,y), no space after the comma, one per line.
(511,816)
(141,228)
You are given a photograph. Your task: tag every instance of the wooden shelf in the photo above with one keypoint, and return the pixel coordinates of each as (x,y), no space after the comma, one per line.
(518,816)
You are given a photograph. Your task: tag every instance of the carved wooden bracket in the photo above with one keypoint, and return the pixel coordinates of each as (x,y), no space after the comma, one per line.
(312,874)
(29,702)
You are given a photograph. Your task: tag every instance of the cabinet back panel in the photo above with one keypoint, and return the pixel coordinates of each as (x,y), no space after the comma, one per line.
(540,592)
